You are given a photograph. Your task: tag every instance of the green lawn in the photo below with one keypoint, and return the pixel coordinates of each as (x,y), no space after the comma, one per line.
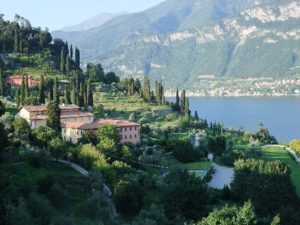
(276,153)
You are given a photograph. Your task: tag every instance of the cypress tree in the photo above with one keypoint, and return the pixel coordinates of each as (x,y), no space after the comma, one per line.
(1,83)
(182,100)
(22,98)
(62,60)
(67,65)
(77,58)
(18,98)
(67,95)
(81,95)
(196,116)
(177,100)
(55,91)
(51,90)
(53,116)
(187,108)
(42,90)
(90,101)
(71,52)
(26,87)
(146,89)
(156,88)
(73,91)
(16,41)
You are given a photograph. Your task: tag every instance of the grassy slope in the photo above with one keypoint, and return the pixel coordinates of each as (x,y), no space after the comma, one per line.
(276,153)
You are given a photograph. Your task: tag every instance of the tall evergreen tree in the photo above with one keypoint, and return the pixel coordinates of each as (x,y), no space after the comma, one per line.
(81,95)
(77,58)
(56,91)
(68,69)
(62,60)
(53,116)
(90,101)
(22,98)
(187,108)
(42,96)
(71,52)
(67,95)
(177,100)
(73,91)
(1,84)
(18,98)
(51,90)
(182,100)
(16,41)
(196,115)
(156,89)
(147,89)
(26,87)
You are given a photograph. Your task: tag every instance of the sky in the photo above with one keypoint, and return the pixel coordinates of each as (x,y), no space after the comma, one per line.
(55,14)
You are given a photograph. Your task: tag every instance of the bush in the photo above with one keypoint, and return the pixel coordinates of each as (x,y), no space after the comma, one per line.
(295,145)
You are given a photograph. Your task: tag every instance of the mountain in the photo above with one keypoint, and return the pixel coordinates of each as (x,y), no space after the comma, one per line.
(95,21)
(182,41)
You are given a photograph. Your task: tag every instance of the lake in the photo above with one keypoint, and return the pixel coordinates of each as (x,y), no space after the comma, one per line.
(281,115)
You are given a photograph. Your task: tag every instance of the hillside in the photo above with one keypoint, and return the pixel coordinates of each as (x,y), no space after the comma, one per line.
(95,21)
(229,38)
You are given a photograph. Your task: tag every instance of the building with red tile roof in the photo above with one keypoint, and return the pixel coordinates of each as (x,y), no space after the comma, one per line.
(16,80)
(129,131)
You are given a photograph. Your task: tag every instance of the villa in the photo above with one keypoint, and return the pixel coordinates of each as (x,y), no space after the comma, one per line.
(129,131)
(75,122)
(16,80)
(36,116)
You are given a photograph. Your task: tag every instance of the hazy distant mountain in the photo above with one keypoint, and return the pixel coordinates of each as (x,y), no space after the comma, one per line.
(95,21)
(182,41)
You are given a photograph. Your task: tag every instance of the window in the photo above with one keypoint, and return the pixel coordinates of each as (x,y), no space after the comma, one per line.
(130,136)
(135,128)
(70,139)
(130,128)
(125,136)
(125,129)
(135,136)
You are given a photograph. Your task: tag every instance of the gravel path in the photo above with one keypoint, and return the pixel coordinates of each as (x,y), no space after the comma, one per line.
(222,176)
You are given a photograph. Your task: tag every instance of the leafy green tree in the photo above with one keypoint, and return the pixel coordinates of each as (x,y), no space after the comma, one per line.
(90,157)
(95,73)
(53,113)
(57,147)
(42,135)
(32,100)
(155,215)
(51,90)
(71,52)
(295,145)
(128,197)
(137,85)
(109,132)
(18,214)
(73,91)
(184,194)
(187,108)
(16,41)
(111,77)
(231,216)
(21,127)
(42,96)
(2,108)
(262,182)
(276,220)
(177,104)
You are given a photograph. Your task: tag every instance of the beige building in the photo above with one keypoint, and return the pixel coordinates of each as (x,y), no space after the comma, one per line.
(36,116)
(129,131)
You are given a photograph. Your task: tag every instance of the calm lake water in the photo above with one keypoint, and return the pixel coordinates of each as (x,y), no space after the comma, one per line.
(281,115)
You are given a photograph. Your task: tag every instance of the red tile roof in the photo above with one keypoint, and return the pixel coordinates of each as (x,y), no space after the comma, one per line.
(41,108)
(116,123)
(72,125)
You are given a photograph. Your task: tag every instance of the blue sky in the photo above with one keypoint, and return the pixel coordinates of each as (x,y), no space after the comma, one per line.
(55,14)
